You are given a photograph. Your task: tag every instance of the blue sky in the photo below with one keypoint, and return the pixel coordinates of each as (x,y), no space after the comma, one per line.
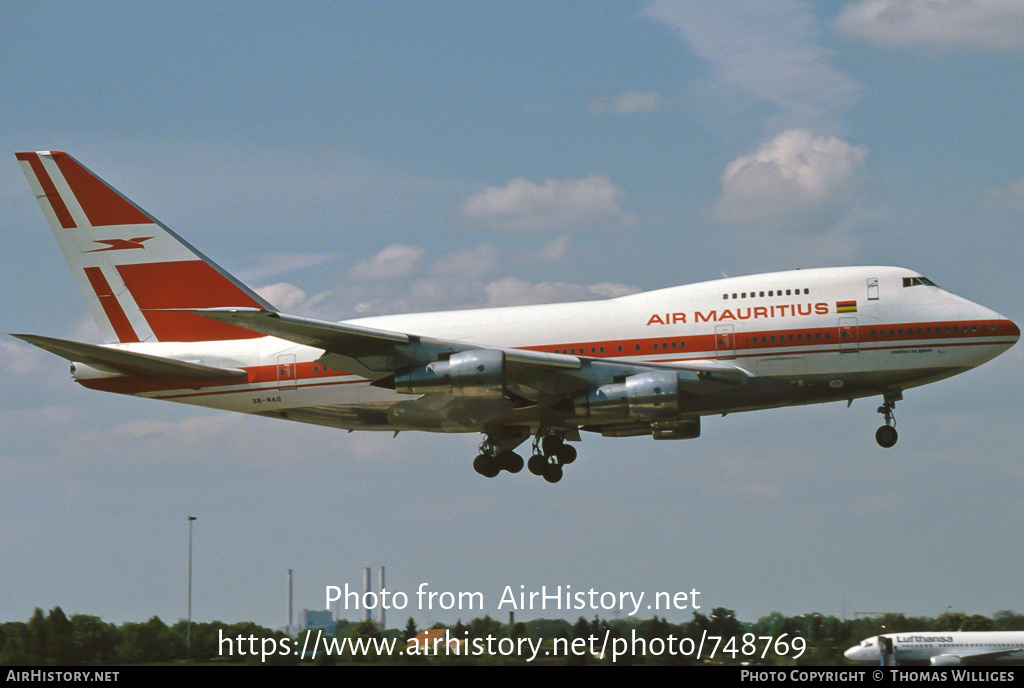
(352,159)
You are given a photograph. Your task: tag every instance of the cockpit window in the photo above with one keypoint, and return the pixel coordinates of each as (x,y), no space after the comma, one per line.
(916,281)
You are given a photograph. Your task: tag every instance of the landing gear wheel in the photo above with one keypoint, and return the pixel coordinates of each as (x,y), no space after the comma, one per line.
(510,461)
(566,454)
(536,464)
(486,465)
(552,472)
(886,436)
(550,444)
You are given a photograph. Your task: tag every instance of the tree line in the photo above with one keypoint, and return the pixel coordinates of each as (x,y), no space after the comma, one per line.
(56,639)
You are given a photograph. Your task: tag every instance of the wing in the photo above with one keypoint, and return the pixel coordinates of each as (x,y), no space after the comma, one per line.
(372,353)
(590,390)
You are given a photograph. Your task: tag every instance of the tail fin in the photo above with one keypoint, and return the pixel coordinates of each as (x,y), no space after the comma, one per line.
(133,271)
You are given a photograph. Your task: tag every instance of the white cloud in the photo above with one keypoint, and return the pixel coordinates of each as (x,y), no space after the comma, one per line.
(283,295)
(770,50)
(798,171)
(975,24)
(516,292)
(522,204)
(395,261)
(277,263)
(478,261)
(1009,197)
(628,103)
(555,249)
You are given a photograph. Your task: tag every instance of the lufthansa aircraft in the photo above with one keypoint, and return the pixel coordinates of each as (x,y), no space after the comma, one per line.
(178,327)
(941,648)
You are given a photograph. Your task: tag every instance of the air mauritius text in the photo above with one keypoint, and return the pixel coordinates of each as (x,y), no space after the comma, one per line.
(557,598)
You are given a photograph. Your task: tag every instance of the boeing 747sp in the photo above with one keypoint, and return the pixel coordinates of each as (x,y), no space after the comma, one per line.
(178,327)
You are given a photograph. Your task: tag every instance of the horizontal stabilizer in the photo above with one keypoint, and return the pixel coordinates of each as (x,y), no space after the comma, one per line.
(129,363)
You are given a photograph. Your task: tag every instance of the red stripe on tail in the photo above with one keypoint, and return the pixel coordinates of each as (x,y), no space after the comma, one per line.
(101,204)
(185,284)
(56,202)
(115,314)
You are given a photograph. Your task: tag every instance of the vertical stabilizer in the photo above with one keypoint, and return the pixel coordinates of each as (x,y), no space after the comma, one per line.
(133,270)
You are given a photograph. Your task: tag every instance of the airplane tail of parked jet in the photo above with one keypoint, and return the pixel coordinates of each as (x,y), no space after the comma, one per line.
(138,277)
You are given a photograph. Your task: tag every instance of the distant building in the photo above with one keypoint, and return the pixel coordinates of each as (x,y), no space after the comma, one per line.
(316,620)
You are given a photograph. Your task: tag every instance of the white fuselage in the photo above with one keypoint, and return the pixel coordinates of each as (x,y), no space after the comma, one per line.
(820,335)
(943,648)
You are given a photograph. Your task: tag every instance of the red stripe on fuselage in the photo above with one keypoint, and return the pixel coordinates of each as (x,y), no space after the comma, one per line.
(115,314)
(56,202)
(311,374)
(704,345)
(100,203)
(185,284)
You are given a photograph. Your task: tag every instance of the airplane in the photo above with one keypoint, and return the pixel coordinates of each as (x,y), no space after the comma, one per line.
(941,648)
(178,327)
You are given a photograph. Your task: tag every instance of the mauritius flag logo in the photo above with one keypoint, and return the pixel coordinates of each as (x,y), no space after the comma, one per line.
(846,306)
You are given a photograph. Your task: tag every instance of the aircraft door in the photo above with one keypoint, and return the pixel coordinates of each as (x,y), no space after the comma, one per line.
(286,373)
(848,339)
(872,289)
(725,341)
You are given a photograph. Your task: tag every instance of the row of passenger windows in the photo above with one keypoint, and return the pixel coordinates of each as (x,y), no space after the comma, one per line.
(600,349)
(800,337)
(770,292)
(817,336)
(894,332)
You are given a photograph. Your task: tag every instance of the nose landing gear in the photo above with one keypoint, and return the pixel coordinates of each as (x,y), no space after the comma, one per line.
(886,435)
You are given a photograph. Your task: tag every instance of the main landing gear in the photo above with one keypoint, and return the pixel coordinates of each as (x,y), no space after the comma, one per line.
(550,453)
(886,435)
(494,458)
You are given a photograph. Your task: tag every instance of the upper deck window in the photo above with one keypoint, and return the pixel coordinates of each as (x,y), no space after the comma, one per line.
(916,281)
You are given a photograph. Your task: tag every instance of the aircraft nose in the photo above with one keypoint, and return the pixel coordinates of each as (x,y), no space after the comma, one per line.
(1012,329)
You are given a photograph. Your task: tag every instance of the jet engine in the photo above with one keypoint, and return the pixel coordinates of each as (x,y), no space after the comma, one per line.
(645,396)
(81,371)
(479,374)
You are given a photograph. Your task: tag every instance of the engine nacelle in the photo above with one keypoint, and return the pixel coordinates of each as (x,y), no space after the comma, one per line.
(82,371)
(946,660)
(478,374)
(645,396)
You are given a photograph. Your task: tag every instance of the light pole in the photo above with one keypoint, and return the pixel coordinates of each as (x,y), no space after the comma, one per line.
(188,629)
